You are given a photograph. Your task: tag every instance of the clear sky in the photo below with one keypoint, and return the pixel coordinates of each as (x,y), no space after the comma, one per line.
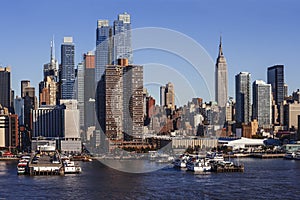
(256,34)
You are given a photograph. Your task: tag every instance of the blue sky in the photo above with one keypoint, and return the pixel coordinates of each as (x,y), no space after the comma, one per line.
(256,34)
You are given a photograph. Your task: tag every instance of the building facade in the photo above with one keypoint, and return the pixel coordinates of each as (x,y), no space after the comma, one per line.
(122,38)
(103,54)
(221,78)
(67,68)
(262,103)
(276,79)
(5,87)
(242,95)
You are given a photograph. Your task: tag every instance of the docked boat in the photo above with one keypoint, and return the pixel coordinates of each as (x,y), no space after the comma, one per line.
(199,165)
(215,156)
(181,161)
(22,167)
(289,155)
(71,168)
(297,155)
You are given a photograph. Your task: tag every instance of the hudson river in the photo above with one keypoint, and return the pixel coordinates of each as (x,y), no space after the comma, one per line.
(262,179)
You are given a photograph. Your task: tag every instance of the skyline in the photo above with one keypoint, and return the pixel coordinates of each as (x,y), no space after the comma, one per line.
(255,36)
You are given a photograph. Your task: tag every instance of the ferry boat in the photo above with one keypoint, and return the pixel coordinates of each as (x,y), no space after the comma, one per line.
(22,166)
(71,168)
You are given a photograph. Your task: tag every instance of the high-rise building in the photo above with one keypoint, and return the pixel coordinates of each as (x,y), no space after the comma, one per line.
(133,101)
(19,109)
(262,103)
(24,84)
(170,96)
(30,103)
(67,70)
(5,87)
(286,90)
(49,87)
(291,112)
(162,95)
(221,79)
(112,43)
(9,130)
(120,101)
(242,95)
(122,38)
(103,54)
(276,79)
(89,90)
(80,92)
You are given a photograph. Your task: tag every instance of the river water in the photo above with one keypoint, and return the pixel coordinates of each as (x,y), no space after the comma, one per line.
(262,179)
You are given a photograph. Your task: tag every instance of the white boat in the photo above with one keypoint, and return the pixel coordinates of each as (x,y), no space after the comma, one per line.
(199,165)
(289,155)
(22,166)
(71,168)
(181,161)
(152,155)
(215,156)
(297,155)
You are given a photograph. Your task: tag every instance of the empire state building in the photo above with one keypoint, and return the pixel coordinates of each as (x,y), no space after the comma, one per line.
(221,78)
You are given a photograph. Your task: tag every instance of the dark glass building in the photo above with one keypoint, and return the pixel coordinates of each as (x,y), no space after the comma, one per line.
(67,70)
(5,87)
(276,79)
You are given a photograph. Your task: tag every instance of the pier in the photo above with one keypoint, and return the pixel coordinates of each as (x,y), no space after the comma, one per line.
(227,168)
(267,155)
(45,163)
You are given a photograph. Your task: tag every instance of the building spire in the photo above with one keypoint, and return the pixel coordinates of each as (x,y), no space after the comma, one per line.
(220,47)
(52,53)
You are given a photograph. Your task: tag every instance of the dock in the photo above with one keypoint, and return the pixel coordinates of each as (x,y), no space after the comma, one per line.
(267,155)
(45,164)
(227,168)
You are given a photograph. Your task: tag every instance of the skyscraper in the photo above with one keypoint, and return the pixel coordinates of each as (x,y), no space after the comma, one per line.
(103,54)
(112,43)
(120,101)
(67,71)
(89,90)
(221,79)
(162,95)
(48,88)
(80,92)
(122,38)
(170,96)
(242,95)
(276,79)
(262,105)
(133,101)
(24,84)
(5,87)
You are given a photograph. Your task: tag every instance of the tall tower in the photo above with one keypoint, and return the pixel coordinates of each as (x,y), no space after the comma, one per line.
(89,90)
(67,70)
(122,38)
(5,87)
(262,106)
(48,88)
(103,48)
(276,79)
(162,95)
(221,78)
(242,95)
